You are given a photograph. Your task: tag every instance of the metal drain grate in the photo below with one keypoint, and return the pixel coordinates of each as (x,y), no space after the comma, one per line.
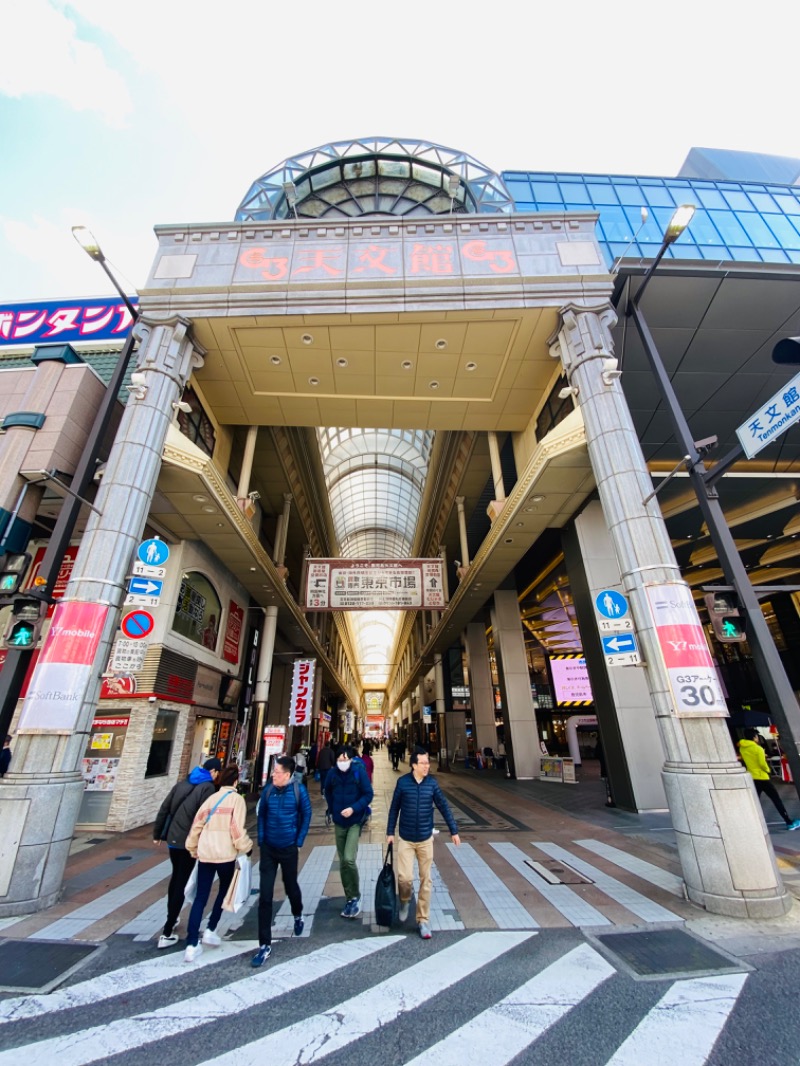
(40,965)
(667,952)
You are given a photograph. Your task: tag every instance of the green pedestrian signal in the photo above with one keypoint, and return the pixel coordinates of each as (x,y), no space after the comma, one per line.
(723,613)
(12,570)
(21,635)
(27,615)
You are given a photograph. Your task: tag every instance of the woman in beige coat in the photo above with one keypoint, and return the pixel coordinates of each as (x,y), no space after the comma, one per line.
(216,838)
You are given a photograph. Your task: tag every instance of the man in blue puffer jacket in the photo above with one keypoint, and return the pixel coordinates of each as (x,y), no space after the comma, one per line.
(413,800)
(284,815)
(348,794)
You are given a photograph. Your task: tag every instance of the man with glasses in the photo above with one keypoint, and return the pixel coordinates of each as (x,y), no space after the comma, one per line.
(414,796)
(284,815)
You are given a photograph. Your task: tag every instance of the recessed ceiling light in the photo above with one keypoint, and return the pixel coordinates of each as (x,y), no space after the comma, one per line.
(471,366)
(770,536)
(200,498)
(220,525)
(536,499)
(275,360)
(313,381)
(509,540)
(433,384)
(210,510)
(253,569)
(307,338)
(519,525)
(441,344)
(406,364)
(341,362)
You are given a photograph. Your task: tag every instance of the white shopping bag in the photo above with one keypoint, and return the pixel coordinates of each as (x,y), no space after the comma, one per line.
(239,891)
(191,886)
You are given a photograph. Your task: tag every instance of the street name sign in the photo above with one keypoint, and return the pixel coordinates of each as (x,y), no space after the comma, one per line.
(778,414)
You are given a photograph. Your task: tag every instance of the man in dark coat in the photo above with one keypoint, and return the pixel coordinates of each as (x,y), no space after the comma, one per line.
(284,815)
(5,756)
(413,800)
(326,760)
(173,822)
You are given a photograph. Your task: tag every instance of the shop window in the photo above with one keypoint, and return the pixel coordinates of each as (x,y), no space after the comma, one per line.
(161,745)
(195,424)
(197,614)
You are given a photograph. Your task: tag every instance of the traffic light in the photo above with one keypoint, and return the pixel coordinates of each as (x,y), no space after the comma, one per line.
(12,570)
(723,613)
(24,626)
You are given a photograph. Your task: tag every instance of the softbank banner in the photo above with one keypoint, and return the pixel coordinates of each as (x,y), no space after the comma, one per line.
(63,668)
(302,692)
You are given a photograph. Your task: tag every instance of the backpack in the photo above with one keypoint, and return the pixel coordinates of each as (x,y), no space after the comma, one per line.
(271,788)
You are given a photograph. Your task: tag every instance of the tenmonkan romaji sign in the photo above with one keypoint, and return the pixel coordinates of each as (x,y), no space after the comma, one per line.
(374,585)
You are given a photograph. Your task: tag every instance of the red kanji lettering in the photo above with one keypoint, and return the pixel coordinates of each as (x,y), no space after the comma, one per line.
(432,259)
(374,258)
(318,259)
(500,260)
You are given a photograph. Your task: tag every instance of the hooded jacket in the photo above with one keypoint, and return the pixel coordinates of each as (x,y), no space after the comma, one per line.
(184,800)
(348,788)
(754,759)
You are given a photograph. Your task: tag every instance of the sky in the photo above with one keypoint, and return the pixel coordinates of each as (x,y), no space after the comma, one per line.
(123,116)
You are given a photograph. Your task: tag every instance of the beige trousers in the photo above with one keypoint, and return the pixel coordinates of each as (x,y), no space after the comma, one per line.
(407,851)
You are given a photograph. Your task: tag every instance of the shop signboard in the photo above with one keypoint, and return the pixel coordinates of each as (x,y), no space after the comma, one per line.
(694,684)
(103,751)
(374,585)
(302,692)
(233,633)
(127,656)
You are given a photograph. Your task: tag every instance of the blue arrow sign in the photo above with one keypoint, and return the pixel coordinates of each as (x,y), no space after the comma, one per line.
(619,644)
(153,552)
(145,586)
(611,604)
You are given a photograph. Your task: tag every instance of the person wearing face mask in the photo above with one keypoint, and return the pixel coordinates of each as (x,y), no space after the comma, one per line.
(348,794)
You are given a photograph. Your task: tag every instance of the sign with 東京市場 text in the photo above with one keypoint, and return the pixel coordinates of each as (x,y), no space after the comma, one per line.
(778,414)
(374,585)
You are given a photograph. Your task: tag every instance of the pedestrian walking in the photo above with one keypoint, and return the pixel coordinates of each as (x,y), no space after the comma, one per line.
(5,756)
(284,815)
(216,838)
(172,824)
(326,760)
(754,759)
(414,797)
(348,794)
(394,752)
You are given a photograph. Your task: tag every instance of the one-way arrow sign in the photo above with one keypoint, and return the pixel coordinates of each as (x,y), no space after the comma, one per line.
(145,586)
(620,649)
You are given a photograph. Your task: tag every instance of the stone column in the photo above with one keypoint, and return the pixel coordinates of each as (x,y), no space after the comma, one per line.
(496,506)
(441,716)
(726,856)
(246,505)
(463,565)
(515,680)
(283,533)
(480,687)
(40,799)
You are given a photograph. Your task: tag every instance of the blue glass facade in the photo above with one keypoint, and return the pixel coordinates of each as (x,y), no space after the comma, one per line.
(735,220)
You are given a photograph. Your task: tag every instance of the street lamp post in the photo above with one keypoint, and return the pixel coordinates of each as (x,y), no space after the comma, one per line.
(777,688)
(17,660)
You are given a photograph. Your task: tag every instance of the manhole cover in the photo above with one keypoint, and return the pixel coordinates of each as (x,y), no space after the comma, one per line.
(557,873)
(39,965)
(662,952)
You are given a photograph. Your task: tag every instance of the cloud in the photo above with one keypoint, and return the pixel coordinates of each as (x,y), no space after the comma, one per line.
(43,55)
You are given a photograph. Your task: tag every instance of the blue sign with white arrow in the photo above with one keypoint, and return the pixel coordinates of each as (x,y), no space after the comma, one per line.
(145,586)
(619,644)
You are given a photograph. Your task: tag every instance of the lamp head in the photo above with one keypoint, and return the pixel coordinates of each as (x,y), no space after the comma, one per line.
(678,223)
(87,240)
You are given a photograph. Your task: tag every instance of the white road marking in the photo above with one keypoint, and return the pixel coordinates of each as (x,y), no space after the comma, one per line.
(501,1032)
(100,1042)
(501,903)
(315,1038)
(571,905)
(684,1025)
(646,870)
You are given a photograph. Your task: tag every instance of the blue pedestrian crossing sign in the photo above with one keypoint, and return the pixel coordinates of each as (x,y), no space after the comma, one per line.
(153,552)
(611,604)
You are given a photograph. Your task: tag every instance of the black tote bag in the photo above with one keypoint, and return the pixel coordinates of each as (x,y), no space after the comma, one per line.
(386,892)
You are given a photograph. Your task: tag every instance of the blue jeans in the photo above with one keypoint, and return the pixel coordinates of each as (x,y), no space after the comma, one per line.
(205,879)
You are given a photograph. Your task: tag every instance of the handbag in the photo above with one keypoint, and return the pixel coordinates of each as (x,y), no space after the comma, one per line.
(386,892)
(239,890)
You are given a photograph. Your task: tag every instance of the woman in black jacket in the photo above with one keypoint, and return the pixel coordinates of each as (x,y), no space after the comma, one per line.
(173,822)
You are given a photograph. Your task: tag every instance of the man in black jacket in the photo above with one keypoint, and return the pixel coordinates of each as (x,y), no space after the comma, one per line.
(173,822)
(413,800)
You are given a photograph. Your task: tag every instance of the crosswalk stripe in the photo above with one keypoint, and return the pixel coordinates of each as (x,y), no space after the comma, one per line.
(576,910)
(634,901)
(100,1042)
(312,879)
(163,967)
(319,1036)
(684,1025)
(646,870)
(501,1032)
(81,918)
(503,906)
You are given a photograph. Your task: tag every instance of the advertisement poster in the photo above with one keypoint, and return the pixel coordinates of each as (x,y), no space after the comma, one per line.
(233,633)
(570,680)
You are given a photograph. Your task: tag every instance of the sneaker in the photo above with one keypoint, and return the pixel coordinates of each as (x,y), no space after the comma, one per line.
(261,955)
(165,941)
(211,938)
(424,930)
(299,926)
(402,914)
(793,825)
(192,953)
(355,907)
(348,909)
